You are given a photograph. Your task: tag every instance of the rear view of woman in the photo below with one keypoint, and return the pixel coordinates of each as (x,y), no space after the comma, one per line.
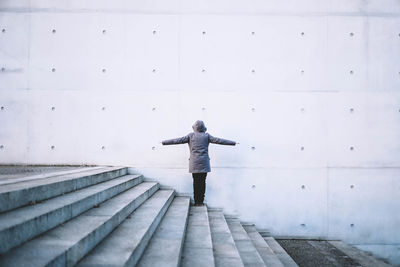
(199,161)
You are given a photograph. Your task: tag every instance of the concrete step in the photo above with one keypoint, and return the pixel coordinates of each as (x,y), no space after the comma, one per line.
(125,245)
(198,248)
(16,195)
(23,177)
(247,250)
(266,253)
(166,245)
(66,244)
(22,224)
(361,257)
(280,252)
(224,247)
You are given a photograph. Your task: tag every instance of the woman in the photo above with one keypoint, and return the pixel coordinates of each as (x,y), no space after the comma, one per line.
(199,161)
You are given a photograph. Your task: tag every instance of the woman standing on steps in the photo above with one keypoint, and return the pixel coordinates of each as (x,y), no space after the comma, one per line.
(199,161)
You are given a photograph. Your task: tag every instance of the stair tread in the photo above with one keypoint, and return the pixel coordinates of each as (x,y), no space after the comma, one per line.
(358,255)
(225,251)
(52,179)
(266,253)
(16,195)
(165,247)
(198,249)
(69,242)
(126,243)
(30,221)
(25,178)
(247,250)
(283,256)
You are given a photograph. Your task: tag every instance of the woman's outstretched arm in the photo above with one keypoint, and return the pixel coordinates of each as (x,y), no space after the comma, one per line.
(176,141)
(220,141)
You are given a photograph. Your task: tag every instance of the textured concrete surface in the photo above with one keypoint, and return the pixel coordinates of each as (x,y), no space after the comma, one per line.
(198,249)
(315,83)
(247,251)
(66,244)
(280,252)
(224,248)
(40,189)
(15,175)
(363,258)
(22,224)
(125,245)
(266,253)
(309,253)
(166,245)
(16,171)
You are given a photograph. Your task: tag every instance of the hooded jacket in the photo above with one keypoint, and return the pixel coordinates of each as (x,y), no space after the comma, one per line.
(198,142)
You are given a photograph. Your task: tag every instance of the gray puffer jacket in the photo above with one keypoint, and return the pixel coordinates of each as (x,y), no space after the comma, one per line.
(198,141)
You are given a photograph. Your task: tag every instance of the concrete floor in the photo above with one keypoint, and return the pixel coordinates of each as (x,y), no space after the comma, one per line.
(313,253)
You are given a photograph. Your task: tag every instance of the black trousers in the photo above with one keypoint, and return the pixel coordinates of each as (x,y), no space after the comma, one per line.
(199,186)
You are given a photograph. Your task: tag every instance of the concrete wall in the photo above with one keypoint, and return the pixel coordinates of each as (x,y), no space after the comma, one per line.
(309,88)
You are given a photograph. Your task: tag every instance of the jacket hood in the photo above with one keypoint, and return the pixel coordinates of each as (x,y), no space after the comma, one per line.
(199,126)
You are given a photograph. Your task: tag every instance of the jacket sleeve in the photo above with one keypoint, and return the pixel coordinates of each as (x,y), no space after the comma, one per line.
(176,141)
(220,141)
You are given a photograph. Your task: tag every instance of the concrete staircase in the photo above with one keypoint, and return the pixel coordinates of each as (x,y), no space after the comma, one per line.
(103,216)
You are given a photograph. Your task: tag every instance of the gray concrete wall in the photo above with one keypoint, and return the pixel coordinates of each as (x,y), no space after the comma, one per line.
(309,88)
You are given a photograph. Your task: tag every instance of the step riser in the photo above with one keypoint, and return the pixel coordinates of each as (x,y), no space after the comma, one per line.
(79,250)
(133,260)
(18,198)
(18,234)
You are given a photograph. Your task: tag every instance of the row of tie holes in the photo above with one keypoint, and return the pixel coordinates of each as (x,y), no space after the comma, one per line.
(351,110)
(155,70)
(203,32)
(351,72)
(302,187)
(3,69)
(304,225)
(153,148)
(302,110)
(154,32)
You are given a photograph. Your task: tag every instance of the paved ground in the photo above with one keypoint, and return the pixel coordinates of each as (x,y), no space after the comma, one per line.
(311,253)
(7,171)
